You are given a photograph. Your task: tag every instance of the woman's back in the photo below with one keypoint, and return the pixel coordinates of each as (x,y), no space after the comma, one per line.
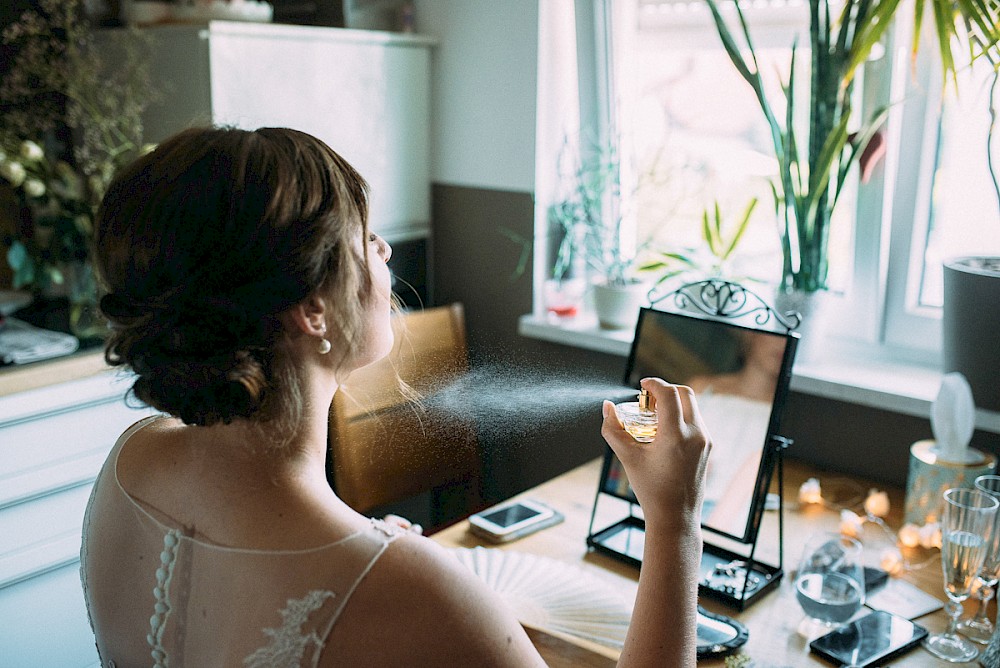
(167,590)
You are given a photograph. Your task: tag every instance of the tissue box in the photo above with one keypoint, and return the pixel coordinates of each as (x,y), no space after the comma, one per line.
(929,478)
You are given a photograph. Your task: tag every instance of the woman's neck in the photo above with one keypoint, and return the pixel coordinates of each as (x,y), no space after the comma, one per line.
(259,452)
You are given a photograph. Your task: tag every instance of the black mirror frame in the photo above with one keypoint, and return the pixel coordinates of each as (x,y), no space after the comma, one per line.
(715,299)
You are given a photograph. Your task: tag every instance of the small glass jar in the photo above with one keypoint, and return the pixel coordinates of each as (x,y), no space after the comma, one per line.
(639,417)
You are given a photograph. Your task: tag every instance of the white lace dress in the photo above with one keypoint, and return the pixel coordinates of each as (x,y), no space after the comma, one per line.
(156,596)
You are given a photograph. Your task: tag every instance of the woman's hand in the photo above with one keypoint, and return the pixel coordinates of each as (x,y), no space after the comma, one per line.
(667,475)
(403,523)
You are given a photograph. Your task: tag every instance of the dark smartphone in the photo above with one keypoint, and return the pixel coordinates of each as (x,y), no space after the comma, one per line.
(869,640)
(875,578)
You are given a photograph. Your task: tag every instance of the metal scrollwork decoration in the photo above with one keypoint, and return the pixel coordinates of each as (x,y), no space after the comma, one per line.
(725,299)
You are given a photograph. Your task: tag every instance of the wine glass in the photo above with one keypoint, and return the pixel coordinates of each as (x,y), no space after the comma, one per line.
(979,627)
(830,583)
(965,527)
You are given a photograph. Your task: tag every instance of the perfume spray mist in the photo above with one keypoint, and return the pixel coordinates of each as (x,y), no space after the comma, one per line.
(639,417)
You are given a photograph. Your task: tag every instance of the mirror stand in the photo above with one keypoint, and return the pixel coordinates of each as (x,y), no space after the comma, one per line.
(740,579)
(725,575)
(714,334)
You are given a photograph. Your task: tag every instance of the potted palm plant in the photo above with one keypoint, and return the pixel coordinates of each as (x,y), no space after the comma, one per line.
(589,218)
(813,169)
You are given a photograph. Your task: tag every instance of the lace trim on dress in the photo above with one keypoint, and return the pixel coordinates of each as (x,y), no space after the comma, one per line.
(288,643)
(164,575)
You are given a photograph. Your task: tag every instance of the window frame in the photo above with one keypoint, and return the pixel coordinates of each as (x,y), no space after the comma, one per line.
(906,324)
(877,315)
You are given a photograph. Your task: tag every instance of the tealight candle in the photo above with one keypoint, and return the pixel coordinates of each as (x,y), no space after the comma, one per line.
(909,535)
(810,491)
(877,503)
(850,523)
(930,535)
(891,561)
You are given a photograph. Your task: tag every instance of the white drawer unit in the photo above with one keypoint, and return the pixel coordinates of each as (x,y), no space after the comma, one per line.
(53,441)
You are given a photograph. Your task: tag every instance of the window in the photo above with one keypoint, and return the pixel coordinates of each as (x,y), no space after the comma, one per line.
(691,133)
(944,204)
(692,130)
(963,218)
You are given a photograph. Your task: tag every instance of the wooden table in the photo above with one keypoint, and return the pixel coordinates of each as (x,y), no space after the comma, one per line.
(774,619)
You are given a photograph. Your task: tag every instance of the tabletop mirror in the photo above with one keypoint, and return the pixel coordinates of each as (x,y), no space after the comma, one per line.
(736,353)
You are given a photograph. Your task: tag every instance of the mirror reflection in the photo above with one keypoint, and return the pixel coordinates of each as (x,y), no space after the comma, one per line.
(736,374)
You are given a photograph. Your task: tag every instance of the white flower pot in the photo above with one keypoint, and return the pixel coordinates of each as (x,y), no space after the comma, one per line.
(814,308)
(618,307)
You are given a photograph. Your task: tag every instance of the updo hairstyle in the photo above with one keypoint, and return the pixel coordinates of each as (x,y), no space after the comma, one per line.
(203,242)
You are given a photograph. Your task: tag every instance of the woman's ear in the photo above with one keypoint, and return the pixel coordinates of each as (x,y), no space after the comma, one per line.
(309,316)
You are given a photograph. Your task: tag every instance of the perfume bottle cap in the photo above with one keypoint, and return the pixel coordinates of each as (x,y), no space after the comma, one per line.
(646,401)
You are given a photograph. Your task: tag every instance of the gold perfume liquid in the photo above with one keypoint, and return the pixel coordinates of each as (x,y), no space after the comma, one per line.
(638,418)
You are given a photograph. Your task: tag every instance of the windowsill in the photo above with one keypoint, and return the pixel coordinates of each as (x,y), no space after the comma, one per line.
(848,375)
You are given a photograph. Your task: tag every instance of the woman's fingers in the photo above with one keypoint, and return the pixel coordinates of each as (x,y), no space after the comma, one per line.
(692,415)
(611,428)
(669,410)
(403,523)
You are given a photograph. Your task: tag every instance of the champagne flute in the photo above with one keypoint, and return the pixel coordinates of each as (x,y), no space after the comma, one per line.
(965,528)
(979,627)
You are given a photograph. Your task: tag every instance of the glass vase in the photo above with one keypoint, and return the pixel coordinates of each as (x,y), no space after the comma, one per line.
(85,319)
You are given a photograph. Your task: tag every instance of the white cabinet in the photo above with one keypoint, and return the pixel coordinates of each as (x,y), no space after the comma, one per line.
(53,441)
(365,93)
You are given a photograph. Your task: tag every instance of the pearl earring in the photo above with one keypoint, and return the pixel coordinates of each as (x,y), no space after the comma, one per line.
(324,343)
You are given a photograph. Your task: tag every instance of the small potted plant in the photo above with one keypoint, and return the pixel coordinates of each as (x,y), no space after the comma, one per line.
(590,218)
(711,259)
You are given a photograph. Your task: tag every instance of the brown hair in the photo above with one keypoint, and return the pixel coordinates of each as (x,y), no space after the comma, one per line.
(203,242)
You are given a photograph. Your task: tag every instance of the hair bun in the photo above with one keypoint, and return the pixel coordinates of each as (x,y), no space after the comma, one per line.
(206,391)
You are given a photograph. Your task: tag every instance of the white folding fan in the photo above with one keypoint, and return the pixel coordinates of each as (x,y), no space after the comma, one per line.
(552,595)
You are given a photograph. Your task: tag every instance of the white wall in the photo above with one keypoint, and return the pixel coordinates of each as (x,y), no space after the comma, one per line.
(483,94)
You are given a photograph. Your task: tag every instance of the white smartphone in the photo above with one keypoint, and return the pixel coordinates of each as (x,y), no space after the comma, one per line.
(513,519)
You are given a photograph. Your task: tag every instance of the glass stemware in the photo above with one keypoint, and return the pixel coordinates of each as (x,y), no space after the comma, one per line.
(979,627)
(830,583)
(965,528)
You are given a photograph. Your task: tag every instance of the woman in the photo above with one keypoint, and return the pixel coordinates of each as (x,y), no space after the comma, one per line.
(243,286)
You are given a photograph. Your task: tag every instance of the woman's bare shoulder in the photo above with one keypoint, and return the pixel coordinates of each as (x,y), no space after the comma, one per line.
(421,606)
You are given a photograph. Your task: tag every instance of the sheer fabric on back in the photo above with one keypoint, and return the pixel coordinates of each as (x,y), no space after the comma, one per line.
(156,595)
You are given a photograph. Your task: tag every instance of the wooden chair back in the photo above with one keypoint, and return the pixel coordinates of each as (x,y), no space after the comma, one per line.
(384,447)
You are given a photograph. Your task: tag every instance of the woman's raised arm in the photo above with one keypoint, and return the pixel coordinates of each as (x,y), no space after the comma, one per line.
(667,476)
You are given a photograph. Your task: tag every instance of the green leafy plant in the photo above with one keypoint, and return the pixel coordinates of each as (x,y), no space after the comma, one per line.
(711,259)
(740,660)
(812,170)
(589,218)
(60,85)
(61,212)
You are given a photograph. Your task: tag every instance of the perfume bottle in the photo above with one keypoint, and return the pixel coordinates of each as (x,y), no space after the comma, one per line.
(639,417)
